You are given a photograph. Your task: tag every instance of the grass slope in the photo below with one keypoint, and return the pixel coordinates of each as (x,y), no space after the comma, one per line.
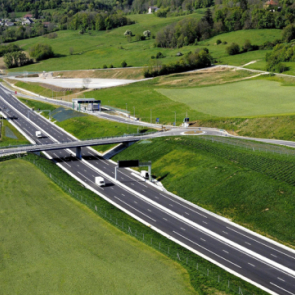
(95,49)
(251,188)
(87,127)
(6,141)
(52,244)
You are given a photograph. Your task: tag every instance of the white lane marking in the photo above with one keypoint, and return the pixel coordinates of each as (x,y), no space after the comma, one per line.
(182,228)
(281,279)
(122,178)
(171,205)
(143,190)
(104,167)
(247,243)
(251,264)
(202,239)
(225,251)
(156,197)
(225,232)
(171,200)
(205,222)
(132,183)
(207,250)
(136,209)
(261,243)
(135,202)
(186,213)
(106,163)
(81,174)
(165,219)
(282,288)
(273,255)
(112,188)
(149,210)
(123,195)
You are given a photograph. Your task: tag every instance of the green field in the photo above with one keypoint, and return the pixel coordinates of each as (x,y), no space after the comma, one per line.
(241,99)
(6,131)
(52,244)
(252,188)
(95,49)
(87,127)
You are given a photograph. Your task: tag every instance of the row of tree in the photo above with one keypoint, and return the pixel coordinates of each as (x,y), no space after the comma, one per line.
(191,61)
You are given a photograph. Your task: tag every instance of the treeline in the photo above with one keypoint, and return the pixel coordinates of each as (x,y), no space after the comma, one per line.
(98,21)
(8,49)
(191,61)
(16,59)
(222,20)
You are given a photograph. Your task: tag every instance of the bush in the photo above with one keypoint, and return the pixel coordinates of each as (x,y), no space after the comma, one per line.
(280,68)
(147,34)
(152,57)
(218,42)
(124,64)
(111,66)
(104,66)
(160,55)
(128,33)
(224,42)
(288,33)
(41,51)
(233,49)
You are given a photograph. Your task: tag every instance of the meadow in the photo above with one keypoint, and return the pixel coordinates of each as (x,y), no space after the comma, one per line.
(253,188)
(53,244)
(94,49)
(241,99)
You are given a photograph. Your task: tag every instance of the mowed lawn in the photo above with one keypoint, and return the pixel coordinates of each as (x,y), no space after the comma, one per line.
(51,244)
(240,99)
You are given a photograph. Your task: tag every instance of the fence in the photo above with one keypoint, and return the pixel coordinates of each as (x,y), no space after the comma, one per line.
(169,248)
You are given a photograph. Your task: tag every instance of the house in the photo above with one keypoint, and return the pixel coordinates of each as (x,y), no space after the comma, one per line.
(28,16)
(9,24)
(270,3)
(27,21)
(152,9)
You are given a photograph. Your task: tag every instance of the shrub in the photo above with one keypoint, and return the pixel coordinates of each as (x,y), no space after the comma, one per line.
(218,42)
(124,64)
(104,66)
(224,42)
(160,55)
(233,49)
(152,57)
(41,51)
(111,66)
(288,33)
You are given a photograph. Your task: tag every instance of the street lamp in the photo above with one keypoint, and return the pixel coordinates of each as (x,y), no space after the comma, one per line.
(151,116)
(126,107)
(175,119)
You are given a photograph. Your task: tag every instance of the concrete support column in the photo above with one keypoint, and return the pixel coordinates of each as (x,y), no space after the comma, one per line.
(79,152)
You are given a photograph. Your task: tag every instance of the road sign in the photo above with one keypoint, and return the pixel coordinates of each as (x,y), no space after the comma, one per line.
(158,120)
(128,163)
(186,120)
(15,92)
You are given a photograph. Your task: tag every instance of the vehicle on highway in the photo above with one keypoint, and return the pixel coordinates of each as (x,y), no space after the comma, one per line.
(144,174)
(99,181)
(38,134)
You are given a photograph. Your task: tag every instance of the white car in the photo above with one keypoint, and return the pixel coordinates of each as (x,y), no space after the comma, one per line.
(99,181)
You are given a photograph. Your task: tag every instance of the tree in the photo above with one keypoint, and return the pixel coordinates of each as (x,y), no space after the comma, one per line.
(8,59)
(147,34)
(288,33)
(208,17)
(247,45)
(233,49)
(41,51)
(124,64)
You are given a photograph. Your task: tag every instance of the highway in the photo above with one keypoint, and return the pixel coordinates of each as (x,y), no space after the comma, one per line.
(248,255)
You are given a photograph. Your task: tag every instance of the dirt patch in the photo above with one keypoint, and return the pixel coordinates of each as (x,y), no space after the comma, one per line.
(126,73)
(192,132)
(208,76)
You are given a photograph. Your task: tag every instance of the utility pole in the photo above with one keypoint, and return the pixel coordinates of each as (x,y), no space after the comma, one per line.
(175,118)
(151,116)
(134,112)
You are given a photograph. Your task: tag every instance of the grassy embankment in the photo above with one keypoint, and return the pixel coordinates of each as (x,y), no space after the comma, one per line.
(255,189)
(53,244)
(86,127)
(6,141)
(96,49)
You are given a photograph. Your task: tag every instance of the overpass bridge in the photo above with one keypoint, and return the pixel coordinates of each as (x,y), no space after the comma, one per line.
(78,144)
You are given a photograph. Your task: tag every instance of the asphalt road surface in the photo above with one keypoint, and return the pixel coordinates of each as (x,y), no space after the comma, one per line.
(246,254)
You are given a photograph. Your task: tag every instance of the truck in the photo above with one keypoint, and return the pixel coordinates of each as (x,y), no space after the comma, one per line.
(38,134)
(144,174)
(99,181)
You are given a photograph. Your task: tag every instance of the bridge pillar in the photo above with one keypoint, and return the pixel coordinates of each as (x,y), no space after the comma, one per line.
(79,152)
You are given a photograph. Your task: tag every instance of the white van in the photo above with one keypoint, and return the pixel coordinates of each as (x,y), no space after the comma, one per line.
(144,174)
(99,181)
(38,134)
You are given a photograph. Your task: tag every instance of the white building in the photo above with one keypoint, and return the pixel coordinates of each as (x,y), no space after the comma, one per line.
(152,9)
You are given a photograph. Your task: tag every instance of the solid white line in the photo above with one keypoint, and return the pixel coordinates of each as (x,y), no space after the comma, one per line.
(282,288)
(251,264)
(225,251)
(207,250)
(261,243)
(136,209)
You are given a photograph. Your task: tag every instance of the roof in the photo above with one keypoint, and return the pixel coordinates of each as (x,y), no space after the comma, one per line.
(28,15)
(86,100)
(272,2)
